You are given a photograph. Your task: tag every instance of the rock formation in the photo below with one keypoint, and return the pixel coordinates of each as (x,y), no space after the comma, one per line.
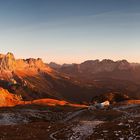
(8,99)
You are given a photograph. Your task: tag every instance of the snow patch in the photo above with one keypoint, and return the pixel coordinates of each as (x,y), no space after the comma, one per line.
(84,129)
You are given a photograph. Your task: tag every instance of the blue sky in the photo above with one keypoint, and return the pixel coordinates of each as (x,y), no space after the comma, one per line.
(67,31)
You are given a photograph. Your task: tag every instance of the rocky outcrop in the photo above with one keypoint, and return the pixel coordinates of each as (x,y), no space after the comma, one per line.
(7,62)
(34,63)
(7,98)
(8,65)
(111,97)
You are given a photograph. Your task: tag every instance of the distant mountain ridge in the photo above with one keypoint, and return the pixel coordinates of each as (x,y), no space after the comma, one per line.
(95,69)
(104,65)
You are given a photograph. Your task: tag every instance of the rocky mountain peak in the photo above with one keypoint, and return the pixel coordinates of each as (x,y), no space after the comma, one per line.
(10,55)
(124,65)
(54,65)
(90,62)
(35,63)
(107,61)
(7,62)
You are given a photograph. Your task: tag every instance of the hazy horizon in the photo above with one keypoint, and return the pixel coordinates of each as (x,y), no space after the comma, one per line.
(71,31)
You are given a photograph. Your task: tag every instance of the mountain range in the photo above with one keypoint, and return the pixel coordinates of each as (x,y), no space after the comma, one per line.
(32,79)
(92,70)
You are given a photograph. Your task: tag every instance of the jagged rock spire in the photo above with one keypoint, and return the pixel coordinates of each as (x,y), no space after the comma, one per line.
(7,62)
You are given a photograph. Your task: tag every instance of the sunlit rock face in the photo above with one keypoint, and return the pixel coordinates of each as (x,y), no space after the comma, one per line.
(35,63)
(7,62)
(7,98)
(30,63)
